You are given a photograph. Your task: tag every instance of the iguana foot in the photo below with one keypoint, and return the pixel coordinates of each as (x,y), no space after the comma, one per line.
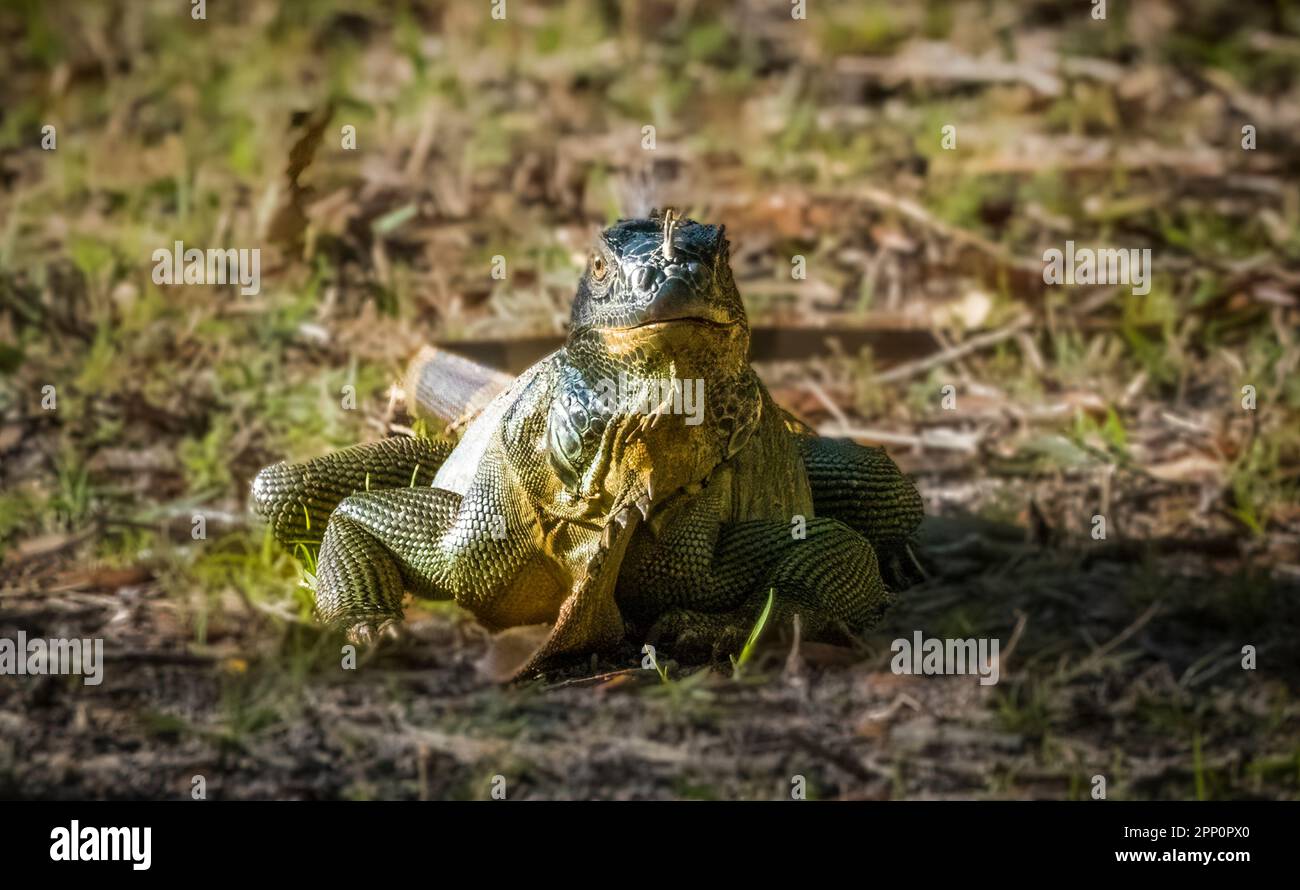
(371,633)
(697,636)
(829,577)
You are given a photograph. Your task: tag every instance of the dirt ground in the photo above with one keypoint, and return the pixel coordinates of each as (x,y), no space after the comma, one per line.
(1023,410)
(1114,664)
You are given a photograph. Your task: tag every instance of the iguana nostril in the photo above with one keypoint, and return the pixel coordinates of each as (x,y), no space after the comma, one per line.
(674,292)
(641,278)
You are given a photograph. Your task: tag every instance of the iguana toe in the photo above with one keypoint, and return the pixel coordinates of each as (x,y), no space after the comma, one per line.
(692,635)
(372,633)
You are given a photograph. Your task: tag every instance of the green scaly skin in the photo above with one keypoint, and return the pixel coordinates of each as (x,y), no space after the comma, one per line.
(566,502)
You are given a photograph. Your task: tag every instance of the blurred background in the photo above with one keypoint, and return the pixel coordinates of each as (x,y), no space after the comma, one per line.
(822,144)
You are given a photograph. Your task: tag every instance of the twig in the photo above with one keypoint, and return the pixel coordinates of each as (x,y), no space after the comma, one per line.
(815,388)
(154,657)
(941,437)
(960,350)
(902,700)
(793,661)
(597,678)
(919,214)
(934,62)
(1095,658)
(1016,634)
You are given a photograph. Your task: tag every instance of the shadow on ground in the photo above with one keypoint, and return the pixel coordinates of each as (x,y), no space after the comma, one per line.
(1121,661)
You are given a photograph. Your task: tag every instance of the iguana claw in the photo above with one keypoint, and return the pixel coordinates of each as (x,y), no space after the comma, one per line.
(370,633)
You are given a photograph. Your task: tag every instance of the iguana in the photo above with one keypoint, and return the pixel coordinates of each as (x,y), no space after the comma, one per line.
(594,495)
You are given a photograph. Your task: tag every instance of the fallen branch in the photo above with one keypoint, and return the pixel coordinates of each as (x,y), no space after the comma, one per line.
(952,353)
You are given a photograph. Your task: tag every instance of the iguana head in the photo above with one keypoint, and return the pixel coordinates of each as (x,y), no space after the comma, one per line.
(646,277)
(657,389)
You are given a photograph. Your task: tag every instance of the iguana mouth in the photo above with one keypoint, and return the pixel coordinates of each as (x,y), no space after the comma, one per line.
(681,295)
(679,320)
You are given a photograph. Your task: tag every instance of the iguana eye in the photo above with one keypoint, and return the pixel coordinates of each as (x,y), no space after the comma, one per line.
(598,267)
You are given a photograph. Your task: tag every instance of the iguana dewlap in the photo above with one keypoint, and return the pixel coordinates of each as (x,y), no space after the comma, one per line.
(637,482)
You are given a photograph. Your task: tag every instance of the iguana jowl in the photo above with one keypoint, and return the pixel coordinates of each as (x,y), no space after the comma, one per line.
(585,496)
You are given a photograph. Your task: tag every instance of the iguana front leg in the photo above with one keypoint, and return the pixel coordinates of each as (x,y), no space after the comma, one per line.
(431,542)
(296,500)
(487,550)
(376,546)
(863,488)
(707,582)
(477,549)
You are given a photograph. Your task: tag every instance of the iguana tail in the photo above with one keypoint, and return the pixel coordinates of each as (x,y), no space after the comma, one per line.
(444,386)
